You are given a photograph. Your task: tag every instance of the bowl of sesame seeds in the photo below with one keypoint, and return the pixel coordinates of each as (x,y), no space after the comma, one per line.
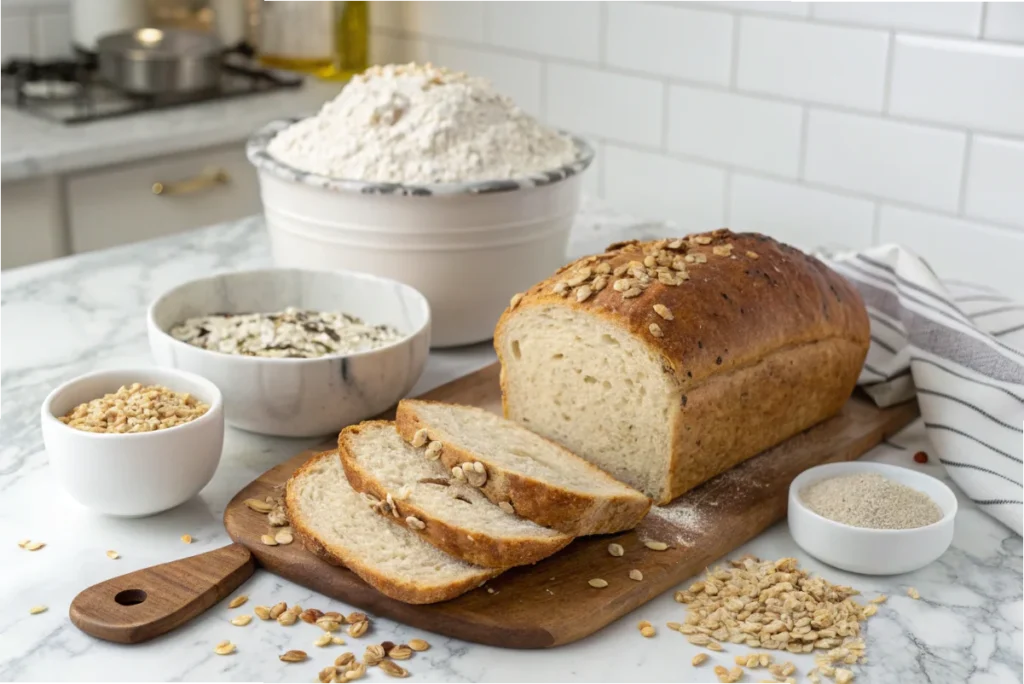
(296,352)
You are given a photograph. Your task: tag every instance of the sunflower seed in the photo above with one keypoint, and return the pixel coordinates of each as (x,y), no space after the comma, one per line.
(598,583)
(507,507)
(287,618)
(224,648)
(714,646)
(283,537)
(616,550)
(415,523)
(401,652)
(278,608)
(433,451)
(420,438)
(374,654)
(655,330)
(393,669)
(656,545)
(699,639)
(268,540)
(238,600)
(36,610)
(418,645)
(259,506)
(514,302)
(599,283)
(583,293)
(636,575)
(292,656)
(241,620)
(699,659)
(33,546)
(113,555)
(357,671)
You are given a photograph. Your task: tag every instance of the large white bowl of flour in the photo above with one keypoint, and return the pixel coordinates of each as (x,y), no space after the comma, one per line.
(428,177)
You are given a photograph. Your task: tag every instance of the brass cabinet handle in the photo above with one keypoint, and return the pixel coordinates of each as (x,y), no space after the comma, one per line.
(203,181)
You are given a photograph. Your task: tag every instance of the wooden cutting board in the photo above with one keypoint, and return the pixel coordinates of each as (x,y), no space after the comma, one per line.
(550,603)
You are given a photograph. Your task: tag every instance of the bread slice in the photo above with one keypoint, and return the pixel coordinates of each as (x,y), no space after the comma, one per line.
(542,481)
(454,516)
(337,524)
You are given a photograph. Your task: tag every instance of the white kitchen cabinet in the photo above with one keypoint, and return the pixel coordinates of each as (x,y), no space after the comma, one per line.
(33,222)
(142,200)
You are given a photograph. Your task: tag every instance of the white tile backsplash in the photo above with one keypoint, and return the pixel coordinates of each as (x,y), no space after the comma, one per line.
(614,106)
(53,36)
(954,18)
(457,20)
(804,217)
(828,64)
(555,29)
(957,248)
(1005,21)
(735,129)
(653,186)
(883,158)
(673,41)
(789,9)
(995,180)
(517,77)
(15,36)
(387,48)
(966,83)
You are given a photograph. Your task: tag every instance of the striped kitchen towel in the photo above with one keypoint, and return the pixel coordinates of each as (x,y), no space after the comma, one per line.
(960,349)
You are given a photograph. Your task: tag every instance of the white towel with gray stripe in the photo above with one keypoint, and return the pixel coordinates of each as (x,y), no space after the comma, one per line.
(960,349)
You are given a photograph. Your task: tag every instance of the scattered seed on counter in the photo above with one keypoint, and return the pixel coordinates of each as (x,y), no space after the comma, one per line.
(113,555)
(36,610)
(292,333)
(186,538)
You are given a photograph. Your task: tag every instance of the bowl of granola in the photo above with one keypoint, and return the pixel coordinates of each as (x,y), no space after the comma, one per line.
(296,353)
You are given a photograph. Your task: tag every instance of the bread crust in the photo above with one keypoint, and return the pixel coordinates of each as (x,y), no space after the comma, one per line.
(735,312)
(573,513)
(471,546)
(392,587)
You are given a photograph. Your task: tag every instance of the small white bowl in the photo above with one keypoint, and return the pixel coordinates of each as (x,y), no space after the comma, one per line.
(139,473)
(468,247)
(869,551)
(298,397)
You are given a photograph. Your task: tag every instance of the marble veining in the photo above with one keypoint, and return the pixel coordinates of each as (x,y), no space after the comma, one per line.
(66,317)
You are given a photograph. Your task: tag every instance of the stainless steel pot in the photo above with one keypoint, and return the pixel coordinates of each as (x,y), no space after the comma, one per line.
(153,61)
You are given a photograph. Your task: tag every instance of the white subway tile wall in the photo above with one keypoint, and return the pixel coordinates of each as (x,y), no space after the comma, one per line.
(833,124)
(825,124)
(807,61)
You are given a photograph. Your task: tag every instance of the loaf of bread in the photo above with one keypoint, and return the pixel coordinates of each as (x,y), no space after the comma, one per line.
(666,363)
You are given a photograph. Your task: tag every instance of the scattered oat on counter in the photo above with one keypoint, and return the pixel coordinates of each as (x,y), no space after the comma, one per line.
(292,334)
(187,538)
(135,408)
(36,610)
(113,555)
(913,593)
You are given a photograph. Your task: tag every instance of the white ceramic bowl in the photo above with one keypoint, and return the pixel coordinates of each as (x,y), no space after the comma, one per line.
(869,551)
(139,473)
(299,397)
(467,247)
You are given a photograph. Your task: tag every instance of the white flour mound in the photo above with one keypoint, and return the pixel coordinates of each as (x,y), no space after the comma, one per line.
(421,124)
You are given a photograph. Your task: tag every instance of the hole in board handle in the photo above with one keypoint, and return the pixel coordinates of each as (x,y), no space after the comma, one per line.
(130,597)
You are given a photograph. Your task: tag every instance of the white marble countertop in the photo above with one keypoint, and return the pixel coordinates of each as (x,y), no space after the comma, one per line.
(33,146)
(73,315)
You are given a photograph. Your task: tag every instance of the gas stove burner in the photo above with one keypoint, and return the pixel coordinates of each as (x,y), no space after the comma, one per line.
(51,90)
(70,91)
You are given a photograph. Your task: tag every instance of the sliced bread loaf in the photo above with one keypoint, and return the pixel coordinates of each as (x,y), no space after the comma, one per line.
(421,494)
(542,481)
(337,524)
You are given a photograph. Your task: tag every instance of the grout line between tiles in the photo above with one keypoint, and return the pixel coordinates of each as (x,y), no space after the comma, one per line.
(964,171)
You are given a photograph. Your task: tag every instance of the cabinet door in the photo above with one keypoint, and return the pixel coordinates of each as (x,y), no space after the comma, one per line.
(142,200)
(33,222)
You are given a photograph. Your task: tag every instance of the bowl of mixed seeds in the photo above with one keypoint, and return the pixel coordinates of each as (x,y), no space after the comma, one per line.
(134,441)
(297,353)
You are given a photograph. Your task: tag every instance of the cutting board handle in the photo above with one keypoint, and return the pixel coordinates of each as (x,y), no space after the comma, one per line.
(147,603)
